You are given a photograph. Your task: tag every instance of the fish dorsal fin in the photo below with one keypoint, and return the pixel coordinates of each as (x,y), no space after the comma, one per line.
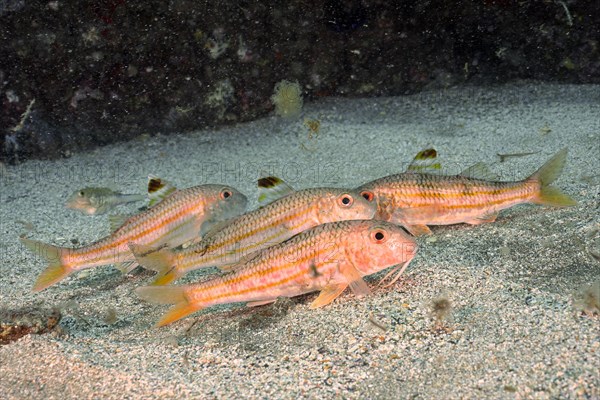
(425,162)
(479,171)
(272,188)
(117,220)
(158,189)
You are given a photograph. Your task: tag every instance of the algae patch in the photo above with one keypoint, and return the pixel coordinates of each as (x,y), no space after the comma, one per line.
(16,323)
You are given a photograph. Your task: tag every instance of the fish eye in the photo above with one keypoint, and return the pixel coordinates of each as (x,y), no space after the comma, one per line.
(81,193)
(378,236)
(367,195)
(226,193)
(345,200)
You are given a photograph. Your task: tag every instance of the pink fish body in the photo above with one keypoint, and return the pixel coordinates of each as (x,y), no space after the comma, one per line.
(257,230)
(327,258)
(416,200)
(177,219)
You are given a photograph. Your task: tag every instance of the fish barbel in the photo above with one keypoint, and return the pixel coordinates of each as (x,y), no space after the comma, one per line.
(328,258)
(275,222)
(416,200)
(99,200)
(177,219)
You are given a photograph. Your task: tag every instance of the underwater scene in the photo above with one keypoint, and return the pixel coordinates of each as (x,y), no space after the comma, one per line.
(300,200)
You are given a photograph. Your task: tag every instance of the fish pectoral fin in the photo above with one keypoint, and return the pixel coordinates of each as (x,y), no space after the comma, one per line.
(260,303)
(126,266)
(404,216)
(491,217)
(328,294)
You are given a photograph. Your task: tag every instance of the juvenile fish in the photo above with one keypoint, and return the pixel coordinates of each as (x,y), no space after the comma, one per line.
(177,219)
(416,200)
(328,258)
(275,222)
(98,200)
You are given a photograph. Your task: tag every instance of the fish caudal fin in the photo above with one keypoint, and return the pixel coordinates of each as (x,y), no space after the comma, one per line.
(169,295)
(168,277)
(554,197)
(56,271)
(162,261)
(546,175)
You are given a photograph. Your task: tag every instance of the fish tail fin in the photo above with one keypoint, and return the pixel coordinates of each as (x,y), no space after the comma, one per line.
(168,277)
(56,270)
(162,261)
(169,295)
(546,175)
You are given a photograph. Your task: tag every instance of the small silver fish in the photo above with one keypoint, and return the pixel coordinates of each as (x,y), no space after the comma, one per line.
(98,200)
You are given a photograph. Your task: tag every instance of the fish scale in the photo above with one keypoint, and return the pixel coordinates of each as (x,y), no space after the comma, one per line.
(257,230)
(328,257)
(174,221)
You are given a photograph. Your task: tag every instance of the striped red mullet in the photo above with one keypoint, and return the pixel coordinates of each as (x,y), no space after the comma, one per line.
(416,200)
(257,230)
(328,258)
(175,220)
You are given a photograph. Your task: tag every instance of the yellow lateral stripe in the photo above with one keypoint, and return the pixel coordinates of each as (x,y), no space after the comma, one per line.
(458,193)
(470,206)
(242,250)
(129,238)
(260,273)
(252,232)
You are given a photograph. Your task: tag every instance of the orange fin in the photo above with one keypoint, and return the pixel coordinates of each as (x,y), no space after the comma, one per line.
(356,282)
(404,216)
(51,275)
(177,312)
(56,271)
(162,261)
(169,295)
(168,277)
(328,294)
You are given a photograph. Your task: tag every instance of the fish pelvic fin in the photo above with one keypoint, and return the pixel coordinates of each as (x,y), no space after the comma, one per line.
(328,294)
(546,175)
(162,261)
(56,270)
(169,295)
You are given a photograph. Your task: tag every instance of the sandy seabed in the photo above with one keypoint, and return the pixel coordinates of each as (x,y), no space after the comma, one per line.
(514,327)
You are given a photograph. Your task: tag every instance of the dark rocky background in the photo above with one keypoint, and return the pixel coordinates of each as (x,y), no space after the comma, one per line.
(109,70)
